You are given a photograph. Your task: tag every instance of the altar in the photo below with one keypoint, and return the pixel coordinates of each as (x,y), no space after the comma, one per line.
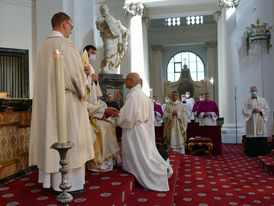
(15,116)
(214,132)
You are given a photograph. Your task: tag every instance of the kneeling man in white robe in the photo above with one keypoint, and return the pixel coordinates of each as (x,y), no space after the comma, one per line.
(140,156)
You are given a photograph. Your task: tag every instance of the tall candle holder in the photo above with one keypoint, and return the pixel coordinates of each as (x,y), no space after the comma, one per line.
(64,198)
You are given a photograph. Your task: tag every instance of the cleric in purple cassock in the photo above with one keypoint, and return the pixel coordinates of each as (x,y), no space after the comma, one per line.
(158,114)
(195,106)
(207,112)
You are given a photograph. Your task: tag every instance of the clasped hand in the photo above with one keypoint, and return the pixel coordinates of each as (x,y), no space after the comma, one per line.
(95,77)
(208,114)
(110,111)
(256,110)
(174,113)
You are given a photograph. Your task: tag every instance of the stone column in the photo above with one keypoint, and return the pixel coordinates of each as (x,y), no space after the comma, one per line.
(218,19)
(157,78)
(212,69)
(228,78)
(146,22)
(135,10)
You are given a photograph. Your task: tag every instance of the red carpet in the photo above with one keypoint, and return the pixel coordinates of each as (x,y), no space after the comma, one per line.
(230,179)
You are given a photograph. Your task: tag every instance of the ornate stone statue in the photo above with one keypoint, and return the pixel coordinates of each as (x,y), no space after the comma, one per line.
(115,39)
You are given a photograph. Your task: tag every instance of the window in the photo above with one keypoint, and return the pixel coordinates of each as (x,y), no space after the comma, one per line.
(14,72)
(190,20)
(176,21)
(179,21)
(193,62)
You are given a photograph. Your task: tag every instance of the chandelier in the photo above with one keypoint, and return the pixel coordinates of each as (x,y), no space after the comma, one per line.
(258,33)
(228,3)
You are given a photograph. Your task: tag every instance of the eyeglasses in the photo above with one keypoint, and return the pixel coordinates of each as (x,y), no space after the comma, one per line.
(71,26)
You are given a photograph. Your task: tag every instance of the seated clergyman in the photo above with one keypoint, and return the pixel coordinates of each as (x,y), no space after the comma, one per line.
(105,145)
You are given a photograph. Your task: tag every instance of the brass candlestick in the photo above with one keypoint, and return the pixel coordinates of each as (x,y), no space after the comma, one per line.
(64,198)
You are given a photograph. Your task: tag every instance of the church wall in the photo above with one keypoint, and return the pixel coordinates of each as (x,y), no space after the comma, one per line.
(174,40)
(17,28)
(256,68)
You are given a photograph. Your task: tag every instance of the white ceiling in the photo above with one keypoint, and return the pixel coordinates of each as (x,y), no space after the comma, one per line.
(156,9)
(161,3)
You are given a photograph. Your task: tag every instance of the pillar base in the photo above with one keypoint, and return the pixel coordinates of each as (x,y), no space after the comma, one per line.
(229,135)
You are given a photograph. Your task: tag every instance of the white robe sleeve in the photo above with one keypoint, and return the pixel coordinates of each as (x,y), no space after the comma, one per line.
(126,116)
(168,112)
(201,115)
(214,116)
(265,110)
(183,117)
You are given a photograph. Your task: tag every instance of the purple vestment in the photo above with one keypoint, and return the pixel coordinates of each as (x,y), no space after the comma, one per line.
(209,106)
(195,106)
(158,108)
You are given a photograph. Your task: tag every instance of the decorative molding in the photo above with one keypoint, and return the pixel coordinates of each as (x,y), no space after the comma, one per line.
(134,9)
(146,20)
(227,3)
(181,10)
(217,15)
(211,44)
(156,47)
(28,3)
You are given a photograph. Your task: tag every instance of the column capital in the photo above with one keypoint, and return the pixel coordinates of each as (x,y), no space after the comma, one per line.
(134,9)
(156,47)
(211,44)
(217,15)
(227,3)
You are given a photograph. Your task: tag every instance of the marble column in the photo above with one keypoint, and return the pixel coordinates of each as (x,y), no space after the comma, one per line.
(218,19)
(157,77)
(135,10)
(212,69)
(146,22)
(228,78)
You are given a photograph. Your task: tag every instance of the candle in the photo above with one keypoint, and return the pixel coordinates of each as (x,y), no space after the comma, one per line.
(151,97)
(60,97)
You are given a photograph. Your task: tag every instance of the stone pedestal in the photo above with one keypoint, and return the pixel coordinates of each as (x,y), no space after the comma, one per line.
(112,83)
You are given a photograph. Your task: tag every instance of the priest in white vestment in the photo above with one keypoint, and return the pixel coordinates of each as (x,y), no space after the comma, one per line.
(43,132)
(139,153)
(176,117)
(88,56)
(256,112)
(188,106)
(190,101)
(106,147)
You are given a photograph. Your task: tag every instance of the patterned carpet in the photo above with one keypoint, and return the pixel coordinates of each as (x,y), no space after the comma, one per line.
(230,179)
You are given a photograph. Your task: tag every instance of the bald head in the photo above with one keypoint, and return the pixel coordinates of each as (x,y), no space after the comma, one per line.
(132,80)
